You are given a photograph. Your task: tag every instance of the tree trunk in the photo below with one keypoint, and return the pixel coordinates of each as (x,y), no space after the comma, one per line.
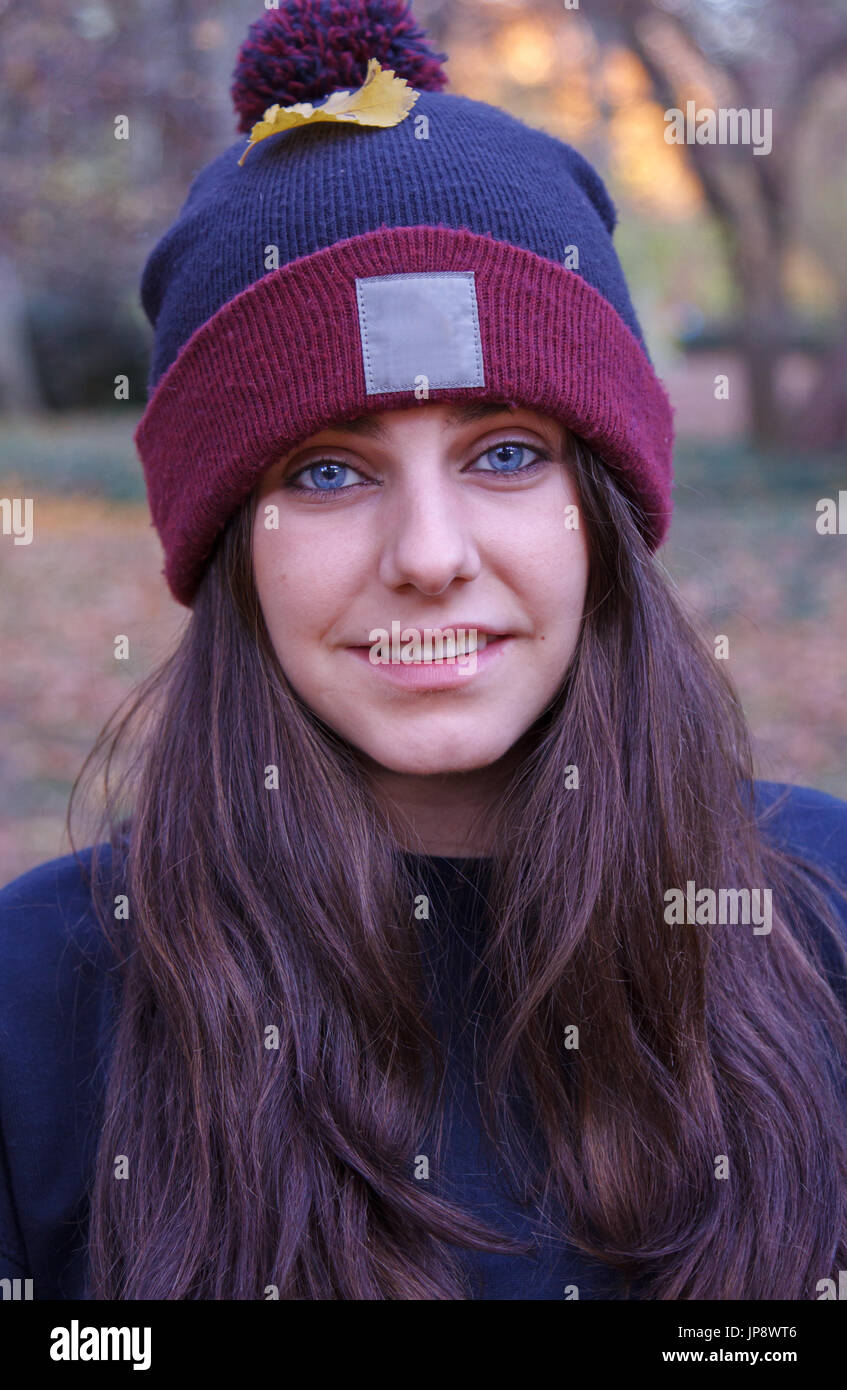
(19,386)
(821,421)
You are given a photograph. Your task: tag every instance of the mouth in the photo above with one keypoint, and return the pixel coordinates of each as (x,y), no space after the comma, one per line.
(452,662)
(459,643)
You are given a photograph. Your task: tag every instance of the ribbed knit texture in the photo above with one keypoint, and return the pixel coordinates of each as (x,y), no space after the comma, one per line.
(249,361)
(284,359)
(292,53)
(305,189)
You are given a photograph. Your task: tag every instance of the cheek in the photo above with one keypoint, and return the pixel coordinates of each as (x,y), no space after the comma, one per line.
(283,580)
(549,562)
(568,576)
(304,579)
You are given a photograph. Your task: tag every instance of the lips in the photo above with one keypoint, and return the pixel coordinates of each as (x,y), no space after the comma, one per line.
(467,636)
(434,668)
(449,647)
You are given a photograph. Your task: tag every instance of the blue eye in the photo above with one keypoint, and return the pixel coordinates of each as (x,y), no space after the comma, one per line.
(515,450)
(326,475)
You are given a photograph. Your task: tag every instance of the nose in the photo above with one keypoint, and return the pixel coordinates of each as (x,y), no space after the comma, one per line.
(428,534)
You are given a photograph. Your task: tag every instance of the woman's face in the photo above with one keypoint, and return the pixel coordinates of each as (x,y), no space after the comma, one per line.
(438,516)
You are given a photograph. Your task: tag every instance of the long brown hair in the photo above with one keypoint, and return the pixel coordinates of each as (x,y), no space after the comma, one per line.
(253,910)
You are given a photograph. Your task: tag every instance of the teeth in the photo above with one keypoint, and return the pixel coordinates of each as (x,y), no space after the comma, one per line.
(441,645)
(449,647)
(467,643)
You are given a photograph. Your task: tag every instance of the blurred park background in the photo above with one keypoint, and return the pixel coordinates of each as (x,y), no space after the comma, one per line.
(737,265)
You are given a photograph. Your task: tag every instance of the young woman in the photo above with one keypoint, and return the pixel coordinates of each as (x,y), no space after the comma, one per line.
(391,975)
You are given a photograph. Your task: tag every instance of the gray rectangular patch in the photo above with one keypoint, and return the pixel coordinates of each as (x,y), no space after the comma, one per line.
(419,325)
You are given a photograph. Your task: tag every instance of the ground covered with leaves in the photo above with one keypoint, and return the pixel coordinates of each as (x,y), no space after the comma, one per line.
(744,552)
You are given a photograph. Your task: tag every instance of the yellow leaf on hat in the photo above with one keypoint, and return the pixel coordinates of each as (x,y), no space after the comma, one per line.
(382,100)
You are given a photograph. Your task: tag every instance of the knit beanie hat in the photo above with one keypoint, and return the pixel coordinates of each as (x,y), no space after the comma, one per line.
(379,242)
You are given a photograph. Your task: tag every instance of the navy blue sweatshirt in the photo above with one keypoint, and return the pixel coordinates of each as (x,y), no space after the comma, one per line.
(57,996)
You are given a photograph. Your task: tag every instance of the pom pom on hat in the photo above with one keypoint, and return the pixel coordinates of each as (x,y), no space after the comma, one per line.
(307,49)
(464,238)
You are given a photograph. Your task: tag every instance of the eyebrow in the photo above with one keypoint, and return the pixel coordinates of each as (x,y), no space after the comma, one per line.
(465,415)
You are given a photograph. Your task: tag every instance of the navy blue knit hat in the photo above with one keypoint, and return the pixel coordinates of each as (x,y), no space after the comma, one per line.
(339,266)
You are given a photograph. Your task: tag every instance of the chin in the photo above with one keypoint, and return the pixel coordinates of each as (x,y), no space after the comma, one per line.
(442,752)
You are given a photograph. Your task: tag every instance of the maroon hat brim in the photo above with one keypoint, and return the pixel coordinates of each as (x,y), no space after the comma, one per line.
(283,360)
